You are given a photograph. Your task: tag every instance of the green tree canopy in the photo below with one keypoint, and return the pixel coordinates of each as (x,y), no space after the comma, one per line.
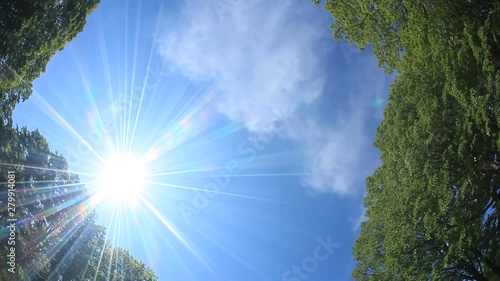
(396,28)
(432,206)
(31,32)
(57,237)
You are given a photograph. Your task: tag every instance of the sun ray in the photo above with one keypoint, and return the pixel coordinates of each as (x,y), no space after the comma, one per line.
(183,172)
(213,191)
(179,236)
(229,253)
(271,175)
(55,230)
(151,53)
(106,240)
(52,276)
(248,175)
(115,239)
(134,69)
(183,126)
(89,261)
(90,95)
(168,242)
(54,115)
(46,169)
(110,91)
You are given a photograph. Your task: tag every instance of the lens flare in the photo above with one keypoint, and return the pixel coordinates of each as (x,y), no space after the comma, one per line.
(122,179)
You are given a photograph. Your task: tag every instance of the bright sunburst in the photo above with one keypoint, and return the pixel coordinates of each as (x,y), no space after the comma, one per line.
(122,179)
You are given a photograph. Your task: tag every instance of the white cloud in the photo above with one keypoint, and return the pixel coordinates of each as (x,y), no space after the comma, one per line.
(334,153)
(357,221)
(261,55)
(266,59)
(334,159)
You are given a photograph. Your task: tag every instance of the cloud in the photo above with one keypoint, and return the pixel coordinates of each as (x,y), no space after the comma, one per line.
(266,59)
(334,157)
(357,221)
(336,151)
(262,55)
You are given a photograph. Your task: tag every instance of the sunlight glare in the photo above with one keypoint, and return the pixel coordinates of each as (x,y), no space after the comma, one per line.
(122,179)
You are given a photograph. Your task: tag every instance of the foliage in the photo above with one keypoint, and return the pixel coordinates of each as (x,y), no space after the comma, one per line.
(57,237)
(31,32)
(405,27)
(432,206)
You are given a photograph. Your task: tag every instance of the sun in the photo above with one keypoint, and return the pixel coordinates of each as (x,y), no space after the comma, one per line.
(122,180)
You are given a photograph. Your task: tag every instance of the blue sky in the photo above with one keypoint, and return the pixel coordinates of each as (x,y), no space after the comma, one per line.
(256,125)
